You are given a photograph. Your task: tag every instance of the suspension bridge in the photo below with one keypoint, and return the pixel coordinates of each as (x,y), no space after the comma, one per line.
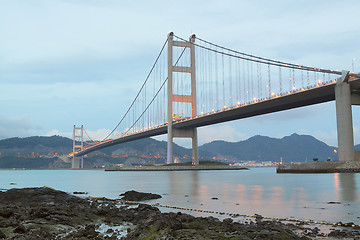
(195,83)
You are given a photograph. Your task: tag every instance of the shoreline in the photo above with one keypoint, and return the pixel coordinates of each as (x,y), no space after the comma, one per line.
(46,213)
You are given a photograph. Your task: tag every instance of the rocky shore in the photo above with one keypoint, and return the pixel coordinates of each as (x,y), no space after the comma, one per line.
(45,213)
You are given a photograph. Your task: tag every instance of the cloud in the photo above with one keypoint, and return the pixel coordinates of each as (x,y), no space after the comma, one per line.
(20,126)
(328,137)
(220,132)
(58,133)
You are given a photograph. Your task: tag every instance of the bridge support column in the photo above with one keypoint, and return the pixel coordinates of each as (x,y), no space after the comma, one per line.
(173,132)
(78,162)
(344,119)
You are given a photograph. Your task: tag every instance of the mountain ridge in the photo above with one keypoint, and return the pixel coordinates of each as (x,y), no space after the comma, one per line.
(292,148)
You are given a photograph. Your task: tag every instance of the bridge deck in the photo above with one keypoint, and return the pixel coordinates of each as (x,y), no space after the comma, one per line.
(297,99)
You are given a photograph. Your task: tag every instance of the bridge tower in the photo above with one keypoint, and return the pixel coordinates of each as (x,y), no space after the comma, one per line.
(78,162)
(191,98)
(344,99)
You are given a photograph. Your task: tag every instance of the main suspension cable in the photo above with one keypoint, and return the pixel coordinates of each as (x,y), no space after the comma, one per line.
(137,95)
(257,59)
(152,100)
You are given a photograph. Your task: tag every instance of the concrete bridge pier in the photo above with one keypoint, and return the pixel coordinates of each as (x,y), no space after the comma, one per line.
(189,98)
(78,162)
(343,101)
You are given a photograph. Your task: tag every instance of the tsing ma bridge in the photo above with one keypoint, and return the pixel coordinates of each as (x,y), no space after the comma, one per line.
(195,83)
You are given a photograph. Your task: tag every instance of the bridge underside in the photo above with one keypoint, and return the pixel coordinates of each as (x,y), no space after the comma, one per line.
(294,100)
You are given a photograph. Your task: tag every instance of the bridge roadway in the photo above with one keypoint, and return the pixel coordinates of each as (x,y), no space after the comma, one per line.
(301,98)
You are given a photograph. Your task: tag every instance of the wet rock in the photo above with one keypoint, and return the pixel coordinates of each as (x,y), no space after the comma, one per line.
(20,229)
(80,193)
(228,220)
(2,235)
(20,237)
(334,203)
(34,195)
(138,196)
(337,233)
(349,223)
(145,207)
(214,198)
(6,212)
(89,231)
(265,232)
(213,220)
(66,216)
(258,218)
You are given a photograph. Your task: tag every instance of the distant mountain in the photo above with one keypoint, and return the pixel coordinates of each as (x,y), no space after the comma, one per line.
(63,145)
(294,148)
(23,152)
(41,152)
(41,145)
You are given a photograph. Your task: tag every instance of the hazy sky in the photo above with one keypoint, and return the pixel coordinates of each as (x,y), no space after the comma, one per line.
(66,62)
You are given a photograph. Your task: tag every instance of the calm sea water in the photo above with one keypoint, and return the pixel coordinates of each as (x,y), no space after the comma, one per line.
(258,190)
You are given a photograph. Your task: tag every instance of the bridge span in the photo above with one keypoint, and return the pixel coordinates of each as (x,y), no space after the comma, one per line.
(291,100)
(178,96)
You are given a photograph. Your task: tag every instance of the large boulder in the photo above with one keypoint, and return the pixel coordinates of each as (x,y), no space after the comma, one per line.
(138,196)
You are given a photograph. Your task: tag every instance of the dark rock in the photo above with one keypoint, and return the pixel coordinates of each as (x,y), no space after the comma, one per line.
(21,237)
(228,220)
(89,229)
(146,207)
(265,232)
(258,217)
(212,220)
(2,235)
(215,198)
(138,196)
(80,193)
(20,229)
(38,233)
(337,233)
(43,208)
(6,212)
(34,195)
(334,203)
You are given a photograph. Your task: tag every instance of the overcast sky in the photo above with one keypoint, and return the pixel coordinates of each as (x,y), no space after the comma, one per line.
(66,62)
